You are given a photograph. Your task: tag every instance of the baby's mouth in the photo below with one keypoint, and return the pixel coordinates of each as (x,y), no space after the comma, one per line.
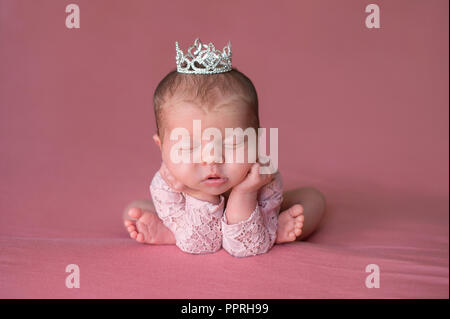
(214,178)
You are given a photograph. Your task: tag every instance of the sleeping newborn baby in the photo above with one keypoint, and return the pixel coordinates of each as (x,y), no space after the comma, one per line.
(205,205)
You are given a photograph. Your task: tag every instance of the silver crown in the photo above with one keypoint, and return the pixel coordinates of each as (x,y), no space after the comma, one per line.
(204,60)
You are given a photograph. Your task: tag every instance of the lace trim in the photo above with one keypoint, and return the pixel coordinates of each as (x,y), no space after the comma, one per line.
(201,227)
(195,223)
(257,234)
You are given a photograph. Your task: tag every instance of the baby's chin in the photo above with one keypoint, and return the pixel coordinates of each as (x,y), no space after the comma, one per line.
(216,190)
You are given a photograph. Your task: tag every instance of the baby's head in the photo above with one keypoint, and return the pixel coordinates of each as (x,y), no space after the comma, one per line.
(223,100)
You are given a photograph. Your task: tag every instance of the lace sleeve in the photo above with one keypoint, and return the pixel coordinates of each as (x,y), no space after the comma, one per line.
(194,223)
(257,234)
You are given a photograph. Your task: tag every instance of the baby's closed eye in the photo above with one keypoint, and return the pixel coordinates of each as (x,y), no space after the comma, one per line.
(233,143)
(227,144)
(189,146)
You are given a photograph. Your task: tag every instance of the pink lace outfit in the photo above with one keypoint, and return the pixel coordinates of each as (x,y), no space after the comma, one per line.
(201,227)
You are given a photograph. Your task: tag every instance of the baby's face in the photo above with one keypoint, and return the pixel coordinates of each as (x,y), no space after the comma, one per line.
(230,113)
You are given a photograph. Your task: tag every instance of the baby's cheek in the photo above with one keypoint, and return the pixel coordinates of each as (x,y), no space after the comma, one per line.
(184,172)
(238,171)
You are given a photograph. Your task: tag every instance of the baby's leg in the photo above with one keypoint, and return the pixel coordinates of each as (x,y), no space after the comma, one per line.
(144,225)
(303,206)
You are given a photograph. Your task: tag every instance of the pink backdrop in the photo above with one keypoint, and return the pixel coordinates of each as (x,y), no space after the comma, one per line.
(362,115)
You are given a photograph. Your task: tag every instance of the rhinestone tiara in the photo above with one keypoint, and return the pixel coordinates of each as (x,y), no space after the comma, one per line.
(204,60)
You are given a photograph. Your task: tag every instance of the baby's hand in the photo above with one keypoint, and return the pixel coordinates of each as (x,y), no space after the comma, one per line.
(254,180)
(170,179)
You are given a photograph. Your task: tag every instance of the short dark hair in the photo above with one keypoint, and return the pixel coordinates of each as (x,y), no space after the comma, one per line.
(203,88)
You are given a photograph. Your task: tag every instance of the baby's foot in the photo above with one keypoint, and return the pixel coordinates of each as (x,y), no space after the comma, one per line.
(146,227)
(290,224)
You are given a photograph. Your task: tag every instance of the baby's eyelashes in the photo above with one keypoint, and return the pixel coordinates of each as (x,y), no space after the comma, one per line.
(233,145)
(189,147)
(228,145)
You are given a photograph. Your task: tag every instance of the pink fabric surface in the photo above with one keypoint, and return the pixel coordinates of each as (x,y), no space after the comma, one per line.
(362,116)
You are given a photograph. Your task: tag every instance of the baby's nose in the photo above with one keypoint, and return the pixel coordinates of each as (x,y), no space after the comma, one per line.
(211,158)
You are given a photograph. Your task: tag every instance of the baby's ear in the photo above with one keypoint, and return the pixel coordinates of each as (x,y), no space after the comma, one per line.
(157,140)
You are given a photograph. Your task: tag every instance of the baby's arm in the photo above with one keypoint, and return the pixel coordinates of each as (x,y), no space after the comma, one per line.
(249,224)
(195,223)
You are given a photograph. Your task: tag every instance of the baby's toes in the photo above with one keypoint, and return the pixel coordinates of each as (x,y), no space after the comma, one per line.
(145,219)
(128,222)
(292,235)
(296,210)
(133,234)
(299,219)
(135,212)
(131,228)
(140,238)
(298,226)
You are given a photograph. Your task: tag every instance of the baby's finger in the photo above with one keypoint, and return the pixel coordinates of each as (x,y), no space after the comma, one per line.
(255,169)
(266,178)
